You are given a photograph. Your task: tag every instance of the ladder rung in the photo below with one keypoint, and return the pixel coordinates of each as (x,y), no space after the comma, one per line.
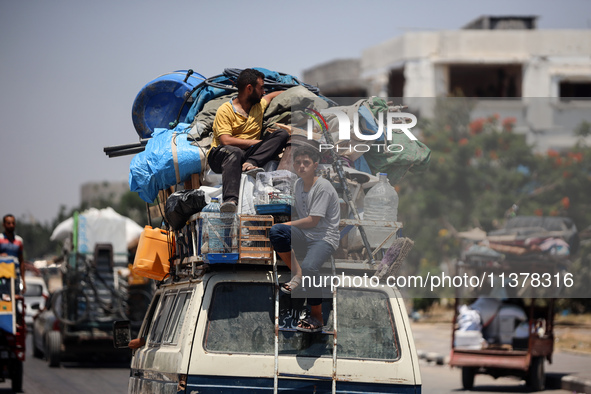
(260,238)
(323,332)
(277,373)
(255,249)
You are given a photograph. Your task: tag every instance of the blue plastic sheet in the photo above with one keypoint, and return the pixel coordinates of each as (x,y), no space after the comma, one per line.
(205,93)
(278,77)
(368,124)
(153,169)
(361,165)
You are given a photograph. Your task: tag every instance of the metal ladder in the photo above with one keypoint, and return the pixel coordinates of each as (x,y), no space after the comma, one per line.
(276,373)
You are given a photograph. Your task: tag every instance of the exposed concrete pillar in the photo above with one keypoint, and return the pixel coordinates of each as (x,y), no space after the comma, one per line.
(383,81)
(419,75)
(536,78)
(537,90)
(420,78)
(441,81)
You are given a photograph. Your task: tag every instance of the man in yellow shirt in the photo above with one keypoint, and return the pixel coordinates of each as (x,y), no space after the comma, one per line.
(237,144)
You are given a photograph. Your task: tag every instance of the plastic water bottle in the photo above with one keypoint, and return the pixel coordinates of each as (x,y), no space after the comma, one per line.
(381,203)
(215,227)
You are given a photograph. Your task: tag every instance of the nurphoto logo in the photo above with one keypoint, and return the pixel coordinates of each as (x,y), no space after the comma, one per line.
(394,121)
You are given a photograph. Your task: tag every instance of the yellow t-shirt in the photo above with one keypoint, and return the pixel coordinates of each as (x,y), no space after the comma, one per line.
(228,121)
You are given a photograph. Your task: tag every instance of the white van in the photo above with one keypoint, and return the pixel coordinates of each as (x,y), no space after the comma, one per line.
(216,333)
(35,297)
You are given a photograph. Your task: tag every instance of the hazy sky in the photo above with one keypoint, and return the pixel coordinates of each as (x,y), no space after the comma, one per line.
(70,70)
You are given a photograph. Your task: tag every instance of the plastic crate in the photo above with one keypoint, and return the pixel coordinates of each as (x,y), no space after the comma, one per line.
(273,209)
(222,258)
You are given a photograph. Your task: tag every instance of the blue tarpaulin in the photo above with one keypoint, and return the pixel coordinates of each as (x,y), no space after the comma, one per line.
(154,169)
(208,92)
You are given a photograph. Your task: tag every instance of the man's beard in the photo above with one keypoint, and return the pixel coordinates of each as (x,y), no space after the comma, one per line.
(254,98)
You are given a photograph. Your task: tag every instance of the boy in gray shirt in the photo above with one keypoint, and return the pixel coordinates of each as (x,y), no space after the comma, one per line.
(306,243)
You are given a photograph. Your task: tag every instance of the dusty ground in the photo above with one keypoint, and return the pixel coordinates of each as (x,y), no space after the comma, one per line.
(573,333)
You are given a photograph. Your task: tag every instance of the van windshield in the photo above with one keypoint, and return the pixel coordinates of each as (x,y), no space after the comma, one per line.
(34,290)
(241,320)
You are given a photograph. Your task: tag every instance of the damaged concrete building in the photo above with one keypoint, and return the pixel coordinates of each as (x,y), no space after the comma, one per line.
(542,76)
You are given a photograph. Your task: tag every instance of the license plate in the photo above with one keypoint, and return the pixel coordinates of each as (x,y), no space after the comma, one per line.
(3,354)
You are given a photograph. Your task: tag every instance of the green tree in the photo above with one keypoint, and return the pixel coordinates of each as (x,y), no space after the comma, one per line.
(132,206)
(479,170)
(36,240)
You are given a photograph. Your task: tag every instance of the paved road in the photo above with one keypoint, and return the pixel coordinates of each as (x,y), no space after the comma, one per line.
(436,339)
(443,380)
(93,378)
(89,378)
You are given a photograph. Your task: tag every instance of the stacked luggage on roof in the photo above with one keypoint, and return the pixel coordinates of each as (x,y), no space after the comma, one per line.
(179,135)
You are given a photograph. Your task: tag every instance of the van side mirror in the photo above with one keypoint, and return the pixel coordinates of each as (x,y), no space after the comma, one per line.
(121,334)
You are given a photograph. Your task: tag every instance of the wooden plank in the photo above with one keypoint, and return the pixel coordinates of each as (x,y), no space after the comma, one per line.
(254,237)
(157,210)
(194,182)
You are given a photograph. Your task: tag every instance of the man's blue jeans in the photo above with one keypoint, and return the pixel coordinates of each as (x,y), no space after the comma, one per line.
(311,255)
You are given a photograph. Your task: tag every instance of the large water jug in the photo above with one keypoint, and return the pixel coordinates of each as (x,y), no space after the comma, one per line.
(381,203)
(214,227)
(153,252)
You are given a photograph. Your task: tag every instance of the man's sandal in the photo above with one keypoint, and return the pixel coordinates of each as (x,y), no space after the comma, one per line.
(309,324)
(290,286)
(229,207)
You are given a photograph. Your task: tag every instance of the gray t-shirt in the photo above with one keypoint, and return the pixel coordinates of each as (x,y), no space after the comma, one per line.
(322,200)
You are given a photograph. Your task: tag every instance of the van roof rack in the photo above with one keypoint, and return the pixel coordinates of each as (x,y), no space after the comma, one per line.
(245,244)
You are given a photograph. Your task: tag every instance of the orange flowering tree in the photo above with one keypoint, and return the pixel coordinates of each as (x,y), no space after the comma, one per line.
(480,170)
(561,185)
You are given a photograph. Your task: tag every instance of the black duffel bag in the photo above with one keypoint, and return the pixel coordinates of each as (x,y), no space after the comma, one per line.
(180,206)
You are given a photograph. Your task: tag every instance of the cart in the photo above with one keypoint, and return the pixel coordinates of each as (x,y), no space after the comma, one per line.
(508,356)
(12,324)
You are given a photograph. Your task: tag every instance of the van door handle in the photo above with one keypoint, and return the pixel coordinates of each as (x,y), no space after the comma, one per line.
(138,373)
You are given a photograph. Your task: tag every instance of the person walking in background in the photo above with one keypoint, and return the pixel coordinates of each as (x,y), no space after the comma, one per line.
(12,245)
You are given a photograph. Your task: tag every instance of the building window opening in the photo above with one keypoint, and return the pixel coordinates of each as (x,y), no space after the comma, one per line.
(485,80)
(396,83)
(570,90)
